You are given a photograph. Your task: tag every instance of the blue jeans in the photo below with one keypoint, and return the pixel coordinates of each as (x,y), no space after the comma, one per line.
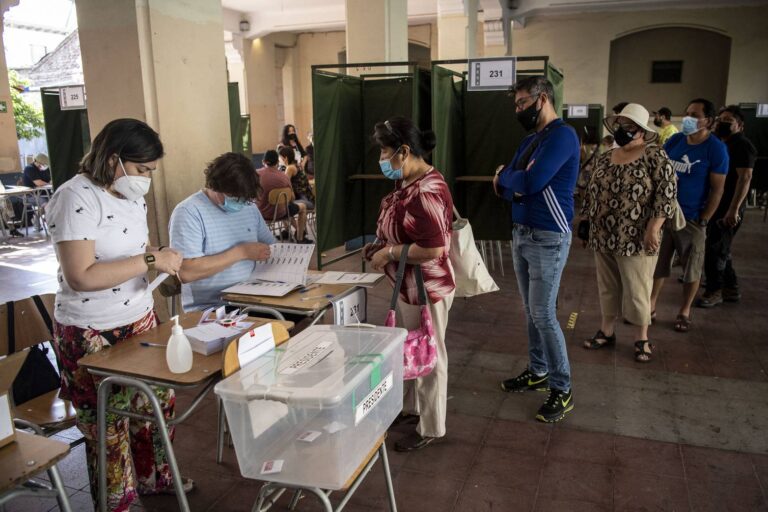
(539,257)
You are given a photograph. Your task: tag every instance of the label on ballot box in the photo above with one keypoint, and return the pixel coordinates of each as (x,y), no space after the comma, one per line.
(374,397)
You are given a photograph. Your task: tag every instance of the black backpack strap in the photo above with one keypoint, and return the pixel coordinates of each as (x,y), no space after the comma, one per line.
(11,327)
(43,313)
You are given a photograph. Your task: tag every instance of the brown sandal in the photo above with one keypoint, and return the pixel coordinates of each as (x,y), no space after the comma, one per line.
(643,352)
(683,323)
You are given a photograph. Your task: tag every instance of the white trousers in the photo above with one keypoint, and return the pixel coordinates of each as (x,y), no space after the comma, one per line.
(427,396)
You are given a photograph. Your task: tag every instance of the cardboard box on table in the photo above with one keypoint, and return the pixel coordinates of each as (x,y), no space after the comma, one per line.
(9,367)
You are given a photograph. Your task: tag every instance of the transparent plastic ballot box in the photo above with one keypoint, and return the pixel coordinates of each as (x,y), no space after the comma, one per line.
(310,411)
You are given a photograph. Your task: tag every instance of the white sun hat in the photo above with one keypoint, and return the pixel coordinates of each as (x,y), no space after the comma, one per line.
(635,113)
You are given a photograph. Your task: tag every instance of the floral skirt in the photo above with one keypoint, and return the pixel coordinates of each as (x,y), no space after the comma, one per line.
(136,460)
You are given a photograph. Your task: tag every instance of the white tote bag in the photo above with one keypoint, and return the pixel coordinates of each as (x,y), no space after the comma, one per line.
(472,277)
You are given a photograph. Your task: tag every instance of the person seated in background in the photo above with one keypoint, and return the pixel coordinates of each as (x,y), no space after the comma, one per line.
(606,143)
(272,178)
(290,139)
(36,175)
(663,119)
(299,181)
(220,232)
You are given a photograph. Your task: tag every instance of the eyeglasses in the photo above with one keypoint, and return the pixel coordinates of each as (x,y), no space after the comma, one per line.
(519,104)
(627,127)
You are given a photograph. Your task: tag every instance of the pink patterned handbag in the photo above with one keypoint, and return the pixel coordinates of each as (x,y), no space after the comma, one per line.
(420,351)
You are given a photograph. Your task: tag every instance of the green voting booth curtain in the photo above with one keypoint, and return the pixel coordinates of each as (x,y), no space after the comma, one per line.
(448,123)
(476,132)
(67,134)
(590,128)
(346,109)
(336,101)
(556,77)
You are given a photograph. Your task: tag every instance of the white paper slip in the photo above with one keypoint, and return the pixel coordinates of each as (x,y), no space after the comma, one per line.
(156,282)
(255,343)
(271,467)
(334,426)
(263,288)
(309,436)
(358,278)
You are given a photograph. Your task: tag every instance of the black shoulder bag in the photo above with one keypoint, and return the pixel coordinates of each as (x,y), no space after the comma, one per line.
(37,375)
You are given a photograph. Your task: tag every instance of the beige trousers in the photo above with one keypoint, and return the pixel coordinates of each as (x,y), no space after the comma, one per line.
(625,284)
(428,395)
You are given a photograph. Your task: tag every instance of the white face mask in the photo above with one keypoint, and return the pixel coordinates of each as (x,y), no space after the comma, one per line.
(131,187)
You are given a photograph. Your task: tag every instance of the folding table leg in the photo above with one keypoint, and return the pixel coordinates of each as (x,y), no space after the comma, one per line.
(105,390)
(388,477)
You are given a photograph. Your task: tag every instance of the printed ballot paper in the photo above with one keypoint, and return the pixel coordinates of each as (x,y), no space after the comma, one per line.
(366,279)
(285,270)
(209,338)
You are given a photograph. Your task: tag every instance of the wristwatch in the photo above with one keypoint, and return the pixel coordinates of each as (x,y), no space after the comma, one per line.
(149,259)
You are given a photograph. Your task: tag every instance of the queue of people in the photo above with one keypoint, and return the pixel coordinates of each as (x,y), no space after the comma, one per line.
(640,202)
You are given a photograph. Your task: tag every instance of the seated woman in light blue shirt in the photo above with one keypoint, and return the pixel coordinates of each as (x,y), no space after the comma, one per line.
(220,232)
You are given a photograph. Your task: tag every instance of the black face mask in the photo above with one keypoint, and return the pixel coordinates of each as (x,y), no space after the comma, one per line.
(723,130)
(528,117)
(622,136)
(657,122)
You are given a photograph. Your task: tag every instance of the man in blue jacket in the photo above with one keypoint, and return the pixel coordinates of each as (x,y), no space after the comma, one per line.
(539,182)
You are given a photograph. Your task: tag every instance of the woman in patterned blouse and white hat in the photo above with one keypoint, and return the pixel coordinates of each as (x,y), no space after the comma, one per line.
(628,196)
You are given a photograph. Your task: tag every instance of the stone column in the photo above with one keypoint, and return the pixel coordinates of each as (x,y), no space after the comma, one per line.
(377,30)
(161,61)
(9,144)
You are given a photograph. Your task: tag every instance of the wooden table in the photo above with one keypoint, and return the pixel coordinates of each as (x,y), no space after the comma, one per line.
(24,193)
(29,455)
(130,364)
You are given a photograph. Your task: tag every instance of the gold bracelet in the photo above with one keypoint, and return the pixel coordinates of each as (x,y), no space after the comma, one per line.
(391,254)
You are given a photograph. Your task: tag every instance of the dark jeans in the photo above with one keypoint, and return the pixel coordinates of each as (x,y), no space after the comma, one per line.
(718,266)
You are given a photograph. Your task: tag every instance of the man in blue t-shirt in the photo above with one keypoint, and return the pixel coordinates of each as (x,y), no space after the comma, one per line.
(700,161)
(539,183)
(219,231)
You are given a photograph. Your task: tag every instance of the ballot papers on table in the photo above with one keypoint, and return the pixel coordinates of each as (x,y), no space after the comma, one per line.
(284,271)
(213,331)
(367,279)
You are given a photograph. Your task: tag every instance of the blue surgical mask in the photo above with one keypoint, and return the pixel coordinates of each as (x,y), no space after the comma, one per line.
(232,205)
(690,125)
(388,171)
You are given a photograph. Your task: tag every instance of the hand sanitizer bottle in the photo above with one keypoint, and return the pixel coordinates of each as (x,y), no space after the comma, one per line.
(179,351)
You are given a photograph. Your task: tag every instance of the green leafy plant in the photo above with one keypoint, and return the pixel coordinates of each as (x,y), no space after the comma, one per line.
(29,118)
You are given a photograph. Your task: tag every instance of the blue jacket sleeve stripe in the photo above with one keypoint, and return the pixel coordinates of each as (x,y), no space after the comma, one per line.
(555,210)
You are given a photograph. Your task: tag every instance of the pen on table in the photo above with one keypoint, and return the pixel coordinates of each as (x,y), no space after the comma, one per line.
(310,287)
(148,344)
(326,296)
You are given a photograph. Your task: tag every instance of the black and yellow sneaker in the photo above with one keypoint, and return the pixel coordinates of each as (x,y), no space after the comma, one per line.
(558,404)
(526,381)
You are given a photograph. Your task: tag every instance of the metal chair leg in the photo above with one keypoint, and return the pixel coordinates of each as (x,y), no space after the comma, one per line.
(220,433)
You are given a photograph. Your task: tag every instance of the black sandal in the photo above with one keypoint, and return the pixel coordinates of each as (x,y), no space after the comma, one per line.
(643,350)
(413,442)
(594,344)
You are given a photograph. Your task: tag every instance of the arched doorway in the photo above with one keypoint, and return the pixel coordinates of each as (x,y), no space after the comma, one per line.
(669,66)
